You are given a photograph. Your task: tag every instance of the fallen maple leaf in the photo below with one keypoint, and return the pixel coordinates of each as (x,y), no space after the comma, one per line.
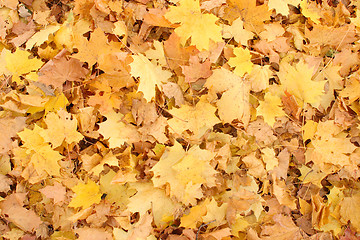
(235,93)
(150,75)
(183,173)
(270,108)
(13,210)
(58,70)
(18,64)
(198,118)
(196,70)
(93,50)
(237,31)
(252,15)
(117,131)
(86,194)
(191,19)
(57,192)
(61,126)
(149,197)
(241,61)
(297,81)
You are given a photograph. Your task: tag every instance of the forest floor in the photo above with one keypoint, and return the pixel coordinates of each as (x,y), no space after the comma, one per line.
(179,120)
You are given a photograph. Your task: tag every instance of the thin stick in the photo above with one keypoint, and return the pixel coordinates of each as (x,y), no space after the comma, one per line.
(201,226)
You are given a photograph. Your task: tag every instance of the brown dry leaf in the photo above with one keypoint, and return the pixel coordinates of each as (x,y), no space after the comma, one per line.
(349,235)
(5,183)
(93,50)
(252,15)
(12,210)
(87,233)
(196,69)
(346,59)
(155,17)
(261,131)
(9,127)
(156,130)
(172,90)
(218,234)
(142,229)
(282,194)
(325,35)
(58,70)
(176,54)
(23,31)
(283,229)
(57,192)
(255,166)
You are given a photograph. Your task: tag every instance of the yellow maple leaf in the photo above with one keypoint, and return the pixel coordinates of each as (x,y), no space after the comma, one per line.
(282,194)
(18,63)
(356,21)
(326,216)
(252,14)
(115,193)
(150,75)
(45,159)
(351,91)
(56,103)
(297,81)
(185,172)
(41,36)
(237,98)
(332,150)
(195,215)
(32,139)
(241,61)
(240,224)
(331,73)
(120,29)
(69,31)
(281,6)
(157,54)
(60,127)
(235,94)
(197,119)
(310,10)
(349,210)
(191,19)
(86,194)
(149,197)
(259,77)
(96,48)
(215,215)
(270,108)
(272,32)
(237,31)
(330,147)
(269,158)
(309,129)
(49,103)
(117,131)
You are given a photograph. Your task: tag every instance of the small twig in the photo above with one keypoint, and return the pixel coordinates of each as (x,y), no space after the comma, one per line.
(201,226)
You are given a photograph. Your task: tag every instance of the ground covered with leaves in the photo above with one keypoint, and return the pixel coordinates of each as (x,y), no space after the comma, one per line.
(179,120)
